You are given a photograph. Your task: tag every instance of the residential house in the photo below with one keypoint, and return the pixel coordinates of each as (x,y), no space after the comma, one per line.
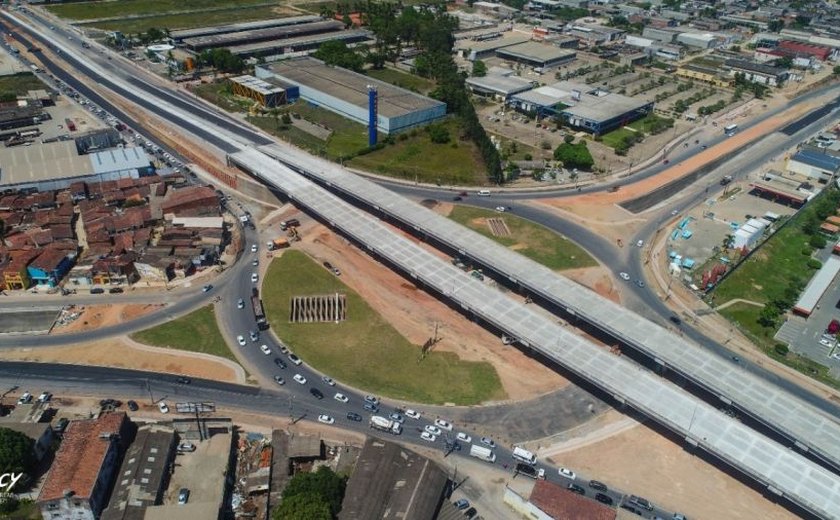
(16,274)
(50,266)
(193,201)
(80,479)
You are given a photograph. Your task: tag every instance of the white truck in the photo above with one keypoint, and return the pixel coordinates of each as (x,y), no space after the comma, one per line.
(480,452)
(385,425)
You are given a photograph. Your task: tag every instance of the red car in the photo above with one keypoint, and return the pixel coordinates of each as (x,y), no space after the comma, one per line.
(833,327)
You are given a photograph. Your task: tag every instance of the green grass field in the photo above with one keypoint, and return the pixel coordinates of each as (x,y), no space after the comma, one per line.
(766,274)
(365,351)
(20,83)
(186,20)
(614,138)
(196,332)
(418,158)
(219,94)
(107,9)
(402,79)
(532,240)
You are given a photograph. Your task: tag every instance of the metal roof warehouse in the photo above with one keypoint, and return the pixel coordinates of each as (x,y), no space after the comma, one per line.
(499,85)
(578,105)
(346,93)
(261,35)
(538,55)
(817,286)
(244,26)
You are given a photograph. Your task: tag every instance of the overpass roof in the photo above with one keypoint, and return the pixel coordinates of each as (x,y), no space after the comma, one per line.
(802,481)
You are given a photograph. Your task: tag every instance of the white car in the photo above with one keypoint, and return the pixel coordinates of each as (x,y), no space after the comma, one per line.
(640,243)
(326,419)
(463,437)
(255,263)
(328,380)
(279,380)
(413,414)
(241,340)
(300,379)
(163,407)
(569,474)
(426,436)
(624,276)
(500,209)
(434,430)
(254,277)
(265,350)
(444,425)
(341,398)
(254,248)
(240,304)
(44,397)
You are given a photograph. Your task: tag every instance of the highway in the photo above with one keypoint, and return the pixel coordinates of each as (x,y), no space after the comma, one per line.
(205,125)
(150,387)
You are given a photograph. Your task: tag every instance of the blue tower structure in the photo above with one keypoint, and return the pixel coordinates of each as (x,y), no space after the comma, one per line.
(373,114)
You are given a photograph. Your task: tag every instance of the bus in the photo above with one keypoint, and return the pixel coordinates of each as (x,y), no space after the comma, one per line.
(730,129)
(259,313)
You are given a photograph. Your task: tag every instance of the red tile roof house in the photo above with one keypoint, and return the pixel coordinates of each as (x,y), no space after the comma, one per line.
(81,476)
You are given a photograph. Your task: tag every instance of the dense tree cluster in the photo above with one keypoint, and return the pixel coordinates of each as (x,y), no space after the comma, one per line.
(16,454)
(220,59)
(336,52)
(312,496)
(574,155)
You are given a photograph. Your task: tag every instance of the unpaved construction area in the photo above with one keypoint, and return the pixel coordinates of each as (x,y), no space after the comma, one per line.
(643,462)
(124,353)
(79,318)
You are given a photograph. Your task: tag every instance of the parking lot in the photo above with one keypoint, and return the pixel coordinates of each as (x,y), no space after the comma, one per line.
(806,336)
(202,471)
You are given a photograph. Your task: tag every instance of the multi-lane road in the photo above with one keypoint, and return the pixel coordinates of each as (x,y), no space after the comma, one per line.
(183,103)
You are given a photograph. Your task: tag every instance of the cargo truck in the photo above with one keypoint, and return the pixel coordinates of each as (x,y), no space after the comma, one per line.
(385,425)
(277,243)
(480,452)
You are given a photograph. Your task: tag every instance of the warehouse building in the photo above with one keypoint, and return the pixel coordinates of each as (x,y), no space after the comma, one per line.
(498,86)
(662,34)
(698,40)
(54,166)
(580,106)
(346,93)
(212,41)
(757,72)
(817,165)
(477,50)
(180,36)
(292,45)
(537,55)
(262,92)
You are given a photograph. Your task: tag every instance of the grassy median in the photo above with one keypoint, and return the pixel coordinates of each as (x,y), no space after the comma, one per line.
(532,240)
(365,351)
(195,332)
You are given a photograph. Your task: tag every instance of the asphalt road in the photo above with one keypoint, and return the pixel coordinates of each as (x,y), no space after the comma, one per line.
(134,384)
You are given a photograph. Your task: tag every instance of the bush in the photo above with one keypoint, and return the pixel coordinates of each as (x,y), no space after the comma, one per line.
(781,349)
(813,263)
(287,119)
(817,242)
(528,157)
(438,134)
(568,139)
(807,251)
(402,137)
(16,455)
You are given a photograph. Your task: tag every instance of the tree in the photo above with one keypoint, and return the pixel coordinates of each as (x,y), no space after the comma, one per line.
(312,494)
(574,156)
(836,70)
(307,506)
(767,316)
(16,455)
(336,53)
(775,25)
(347,21)
(785,62)
(479,69)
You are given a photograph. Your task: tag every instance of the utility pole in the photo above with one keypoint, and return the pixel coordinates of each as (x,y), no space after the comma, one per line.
(149,389)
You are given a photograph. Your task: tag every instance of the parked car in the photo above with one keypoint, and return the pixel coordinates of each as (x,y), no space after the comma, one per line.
(186,447)
(328,380)
(183,496)
(434,430)
(206,288)
(162,406)
(444,425)
(569,474)
(184,380)
(341,398)
(353,416)
(574,488)
(241,340)
(132,405)
(604,499)
(254,278)
(44,397)
(372,400)
(300,379)
(316,393)
(240,303)
(463,437)
(326,419)
(295,360)
(396,417)
(279,380)
(61,425)
(427,436)
(833,327)
(600,486)
(461,504)
(371,407)
(265,350)
(280,363)
(412,413)
(115,290)
(25,398)
(487,441)
(97,290)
